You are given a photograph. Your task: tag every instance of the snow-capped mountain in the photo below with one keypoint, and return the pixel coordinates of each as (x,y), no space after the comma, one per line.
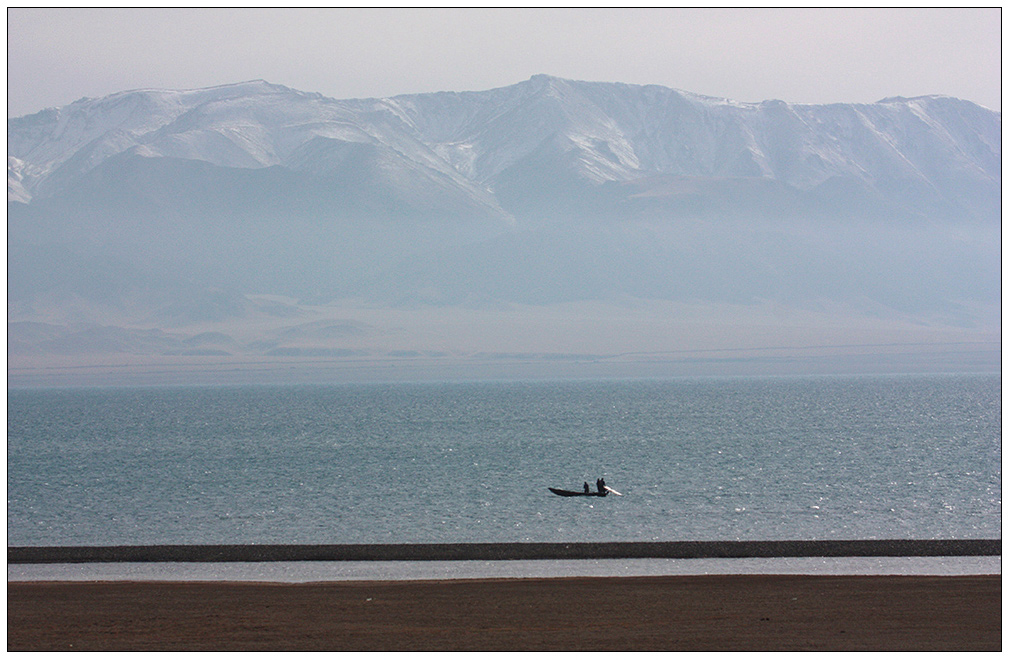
(918,154)
(171,207)
(248,126)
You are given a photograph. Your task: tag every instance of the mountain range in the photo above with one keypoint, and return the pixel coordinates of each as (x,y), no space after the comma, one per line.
(161,211)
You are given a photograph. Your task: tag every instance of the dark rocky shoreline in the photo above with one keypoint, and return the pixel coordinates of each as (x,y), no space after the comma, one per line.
(504,551)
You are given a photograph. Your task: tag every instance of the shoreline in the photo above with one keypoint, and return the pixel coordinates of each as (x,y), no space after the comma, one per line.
(358,571)
(706,612)
(506,551)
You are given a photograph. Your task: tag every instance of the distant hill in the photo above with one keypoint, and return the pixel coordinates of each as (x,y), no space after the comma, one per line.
(162,208)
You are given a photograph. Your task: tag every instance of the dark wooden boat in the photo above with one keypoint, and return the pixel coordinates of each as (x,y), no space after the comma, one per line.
(577,493)
(581,493)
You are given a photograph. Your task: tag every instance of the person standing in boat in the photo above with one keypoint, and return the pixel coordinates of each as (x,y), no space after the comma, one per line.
(601,485)
(586,486)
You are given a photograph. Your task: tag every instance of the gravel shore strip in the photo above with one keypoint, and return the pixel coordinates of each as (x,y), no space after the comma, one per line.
(504,551)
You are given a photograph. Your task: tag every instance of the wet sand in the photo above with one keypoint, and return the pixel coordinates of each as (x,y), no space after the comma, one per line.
(723,612)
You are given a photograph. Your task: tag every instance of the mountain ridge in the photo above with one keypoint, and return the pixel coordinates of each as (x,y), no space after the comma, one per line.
(190,212)
(609,132)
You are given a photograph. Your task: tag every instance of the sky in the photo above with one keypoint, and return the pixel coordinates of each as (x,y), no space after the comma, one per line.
(56,56)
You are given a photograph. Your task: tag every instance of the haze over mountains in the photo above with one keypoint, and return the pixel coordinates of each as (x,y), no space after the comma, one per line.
(548,220)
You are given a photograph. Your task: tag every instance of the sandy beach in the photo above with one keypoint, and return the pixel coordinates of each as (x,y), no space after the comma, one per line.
(727,612)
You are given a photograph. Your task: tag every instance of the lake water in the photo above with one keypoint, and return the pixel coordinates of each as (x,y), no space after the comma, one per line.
(329,571)
(705,459)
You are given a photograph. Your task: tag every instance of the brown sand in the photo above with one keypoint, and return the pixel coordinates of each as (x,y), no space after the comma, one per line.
(750,612)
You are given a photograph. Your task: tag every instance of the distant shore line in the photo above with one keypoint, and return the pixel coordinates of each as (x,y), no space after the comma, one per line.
(504,551)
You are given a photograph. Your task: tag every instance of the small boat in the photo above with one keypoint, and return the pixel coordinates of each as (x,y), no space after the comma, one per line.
(577,493)
(583,493)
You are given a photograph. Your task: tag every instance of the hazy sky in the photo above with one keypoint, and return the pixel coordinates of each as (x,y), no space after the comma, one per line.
(56,56)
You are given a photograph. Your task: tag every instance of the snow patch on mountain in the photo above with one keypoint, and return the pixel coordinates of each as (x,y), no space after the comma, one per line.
(16,191)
